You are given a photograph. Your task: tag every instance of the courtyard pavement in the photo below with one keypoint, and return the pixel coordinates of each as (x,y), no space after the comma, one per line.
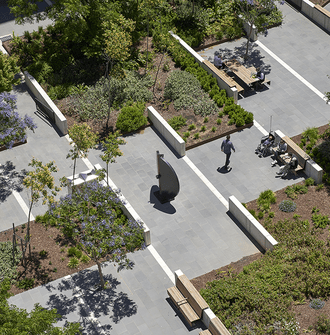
(195,232)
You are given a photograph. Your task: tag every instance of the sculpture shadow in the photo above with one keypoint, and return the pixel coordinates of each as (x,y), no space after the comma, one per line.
(81,295)
(166,207)
(10,180)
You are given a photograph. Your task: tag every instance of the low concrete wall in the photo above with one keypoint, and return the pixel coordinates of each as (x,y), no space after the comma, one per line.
(246,27)
(231,92)
(171,136)
(316,13)
(247,220)
(128,210)
(41,95)
(312,169)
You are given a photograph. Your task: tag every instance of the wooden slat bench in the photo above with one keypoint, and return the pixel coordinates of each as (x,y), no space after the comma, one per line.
(224,77)
(254,70)
(187,299)
(216,327)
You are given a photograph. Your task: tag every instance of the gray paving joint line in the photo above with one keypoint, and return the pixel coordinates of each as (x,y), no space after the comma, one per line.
(292,71)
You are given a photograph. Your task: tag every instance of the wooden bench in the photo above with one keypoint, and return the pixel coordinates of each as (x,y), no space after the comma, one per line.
(301,155)
(187,299)
(254,70)
(216,327)
(224,77)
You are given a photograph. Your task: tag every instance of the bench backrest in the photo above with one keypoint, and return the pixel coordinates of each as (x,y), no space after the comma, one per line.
(216,327)
(189,291)
(293,147)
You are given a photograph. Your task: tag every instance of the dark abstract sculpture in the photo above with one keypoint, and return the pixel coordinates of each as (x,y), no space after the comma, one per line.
(168,180)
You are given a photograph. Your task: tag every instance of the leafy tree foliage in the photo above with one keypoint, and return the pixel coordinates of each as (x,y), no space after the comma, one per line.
(93,218)
(8,70)
(12,126)
(14,320)
(253,12)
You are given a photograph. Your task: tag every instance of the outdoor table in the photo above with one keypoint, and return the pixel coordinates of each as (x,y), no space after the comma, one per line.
(241,71)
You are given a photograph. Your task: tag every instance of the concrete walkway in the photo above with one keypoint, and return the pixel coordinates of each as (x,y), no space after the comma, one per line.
(194,232)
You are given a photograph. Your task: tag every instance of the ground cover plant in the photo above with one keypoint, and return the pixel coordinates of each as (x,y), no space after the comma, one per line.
(292,277)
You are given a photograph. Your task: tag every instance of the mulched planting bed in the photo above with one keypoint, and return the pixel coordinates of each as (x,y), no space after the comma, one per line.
(50,267)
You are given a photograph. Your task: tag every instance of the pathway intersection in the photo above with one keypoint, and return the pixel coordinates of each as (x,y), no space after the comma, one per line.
(194,233)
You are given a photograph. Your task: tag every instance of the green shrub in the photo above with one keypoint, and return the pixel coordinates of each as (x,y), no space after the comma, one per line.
(196,136)
(311,134)
(271,214)
(219,121)
(43,253)
(253,212)
(213,129)
(319,187)
(323,324)
(309,182)
(85,259)
(73,251)
(206,119)
(7,269)
(320,221)
(26,283)
(260,215)
(73,263)
(177,122)
(287,206)
(220,114)
(265,199)
(191,127)
(203,128)
(131,118)
(186,134)
(240,122)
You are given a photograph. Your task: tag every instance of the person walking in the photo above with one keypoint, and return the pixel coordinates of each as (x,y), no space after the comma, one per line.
(226,147)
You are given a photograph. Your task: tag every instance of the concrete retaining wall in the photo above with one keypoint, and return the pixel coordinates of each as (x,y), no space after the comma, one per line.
(247,220)
(231,92)
(127,209)
(171,136)
(316,13)
(311,169)
(41,95)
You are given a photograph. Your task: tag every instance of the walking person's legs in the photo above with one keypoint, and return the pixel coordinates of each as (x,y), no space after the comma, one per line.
(227,160)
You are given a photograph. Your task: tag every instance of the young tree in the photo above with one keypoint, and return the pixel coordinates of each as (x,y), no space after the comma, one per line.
(327,95)
(12,126)
(252,13)
(41,182)
(8,70)
(118,40)
(83,139)
(14,320)
(111,150)
(99,227)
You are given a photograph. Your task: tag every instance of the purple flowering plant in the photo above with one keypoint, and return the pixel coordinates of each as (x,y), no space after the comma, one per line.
(12,126)
(92,216)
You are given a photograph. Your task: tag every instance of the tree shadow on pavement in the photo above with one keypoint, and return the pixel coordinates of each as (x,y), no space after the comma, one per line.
(10,180)
(80,295)
(255,58)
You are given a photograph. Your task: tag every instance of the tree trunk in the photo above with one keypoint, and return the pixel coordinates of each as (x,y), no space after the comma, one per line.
(248,41)
(101,275)
(28,227)
(108,174)
(107,124)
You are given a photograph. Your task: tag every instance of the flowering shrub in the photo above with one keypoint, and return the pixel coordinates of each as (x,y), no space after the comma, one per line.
(12,126)
(287,206)
(93,218)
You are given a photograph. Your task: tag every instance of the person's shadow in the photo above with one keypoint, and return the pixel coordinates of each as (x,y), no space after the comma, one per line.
(223,170)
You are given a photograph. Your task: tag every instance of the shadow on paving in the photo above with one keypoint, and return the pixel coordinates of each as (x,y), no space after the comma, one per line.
(111,303)
(10,180)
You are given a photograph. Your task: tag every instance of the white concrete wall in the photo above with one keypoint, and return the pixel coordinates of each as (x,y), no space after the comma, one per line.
(41,95)
(171,136)
(247,220)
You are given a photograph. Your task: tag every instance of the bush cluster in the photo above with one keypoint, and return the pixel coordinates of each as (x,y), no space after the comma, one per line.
(287,206)
(131,117)
(6,260)
(177,122)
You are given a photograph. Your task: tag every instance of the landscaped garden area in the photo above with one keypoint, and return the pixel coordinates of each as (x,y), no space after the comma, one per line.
(285,290)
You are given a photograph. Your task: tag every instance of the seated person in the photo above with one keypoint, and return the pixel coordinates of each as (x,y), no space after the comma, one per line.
(291,164)
(281,149)
(265,145)
(260,76)
(217,61)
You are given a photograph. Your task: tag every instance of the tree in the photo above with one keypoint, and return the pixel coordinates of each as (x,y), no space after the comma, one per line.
(14,320)
(42,185)
(118,40)
(79,21)
(93,219)
(12,126)
(8,70)
(83,139)
(252,12)
(327,95)
(111,150)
